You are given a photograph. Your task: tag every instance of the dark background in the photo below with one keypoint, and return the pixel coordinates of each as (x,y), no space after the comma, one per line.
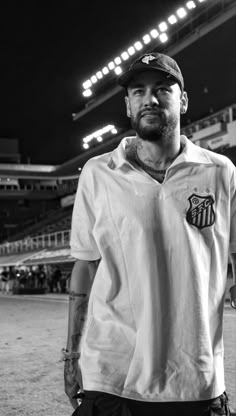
(49,49)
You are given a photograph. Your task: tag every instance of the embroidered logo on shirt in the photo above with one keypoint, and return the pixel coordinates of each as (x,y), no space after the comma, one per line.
(146,59)
(201,213)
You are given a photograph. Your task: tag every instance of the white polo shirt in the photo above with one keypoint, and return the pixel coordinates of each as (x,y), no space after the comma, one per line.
(154,329)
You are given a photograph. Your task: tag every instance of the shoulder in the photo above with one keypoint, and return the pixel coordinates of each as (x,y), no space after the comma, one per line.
(219,159)
(92,173)
(96,163)
(216,159)
(224,164)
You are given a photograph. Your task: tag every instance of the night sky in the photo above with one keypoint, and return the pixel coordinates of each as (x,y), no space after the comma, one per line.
(46,54)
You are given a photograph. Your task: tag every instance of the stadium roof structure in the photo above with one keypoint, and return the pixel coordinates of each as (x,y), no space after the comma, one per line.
(45,256)
(16,259)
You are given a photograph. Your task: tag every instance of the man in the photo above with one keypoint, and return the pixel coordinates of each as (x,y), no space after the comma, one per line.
(152,226)
(41,275)
(5,279)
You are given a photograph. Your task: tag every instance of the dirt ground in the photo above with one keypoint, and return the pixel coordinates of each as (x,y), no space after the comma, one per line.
(33,331)
(31,377)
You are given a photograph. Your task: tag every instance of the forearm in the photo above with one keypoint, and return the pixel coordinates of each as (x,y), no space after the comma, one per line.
(80,287)
(232,290)
(233,263)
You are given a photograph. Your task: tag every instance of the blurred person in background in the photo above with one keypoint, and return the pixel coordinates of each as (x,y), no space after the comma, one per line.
(4,280)
(11,280)
(56,279)
(41,277)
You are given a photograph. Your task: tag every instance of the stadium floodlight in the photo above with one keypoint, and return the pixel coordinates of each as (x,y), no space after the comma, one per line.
(99,74)
(118,70)
(87,93)
(181,12)
(131,50)
(111,65)
(160,30)
(124,56)
(190,5)
(107,128)
(87,84)
(105,70)
(154,33)
(138,46)
(163,37)
(172,19)
(146,39)
(87,138)
(117,60)
(98,135)
(94,79)
(163,26)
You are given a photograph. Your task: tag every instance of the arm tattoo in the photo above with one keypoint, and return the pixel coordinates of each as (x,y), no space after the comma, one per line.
(79,308)
(73,294)
(92,267)
(95,263)
(79,319)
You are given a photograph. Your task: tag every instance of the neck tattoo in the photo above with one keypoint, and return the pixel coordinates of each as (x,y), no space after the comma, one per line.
(145,166)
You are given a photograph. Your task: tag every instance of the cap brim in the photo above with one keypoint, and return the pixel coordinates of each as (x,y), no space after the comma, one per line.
(125,79)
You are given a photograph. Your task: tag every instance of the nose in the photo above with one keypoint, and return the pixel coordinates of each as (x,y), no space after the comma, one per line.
(150,99)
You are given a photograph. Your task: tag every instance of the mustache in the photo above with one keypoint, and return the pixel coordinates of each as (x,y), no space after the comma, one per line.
(150,111)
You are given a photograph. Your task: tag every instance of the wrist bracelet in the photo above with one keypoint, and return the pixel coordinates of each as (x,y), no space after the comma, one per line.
(69,355)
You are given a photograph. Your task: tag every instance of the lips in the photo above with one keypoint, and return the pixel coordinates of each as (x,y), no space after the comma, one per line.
(150,116)
(150,113)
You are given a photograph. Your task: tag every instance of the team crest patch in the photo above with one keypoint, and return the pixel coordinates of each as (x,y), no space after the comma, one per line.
(201,213)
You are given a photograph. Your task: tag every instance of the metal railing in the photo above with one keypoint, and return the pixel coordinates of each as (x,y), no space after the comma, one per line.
(65,187)
(52,240)
(226,115)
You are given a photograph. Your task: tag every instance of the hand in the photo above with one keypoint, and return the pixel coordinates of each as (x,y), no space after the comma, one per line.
(73,380)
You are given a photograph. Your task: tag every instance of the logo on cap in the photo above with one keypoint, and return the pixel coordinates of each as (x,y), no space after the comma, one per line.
(146,59)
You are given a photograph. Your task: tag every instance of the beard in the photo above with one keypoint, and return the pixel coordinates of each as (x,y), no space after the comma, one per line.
(160,128)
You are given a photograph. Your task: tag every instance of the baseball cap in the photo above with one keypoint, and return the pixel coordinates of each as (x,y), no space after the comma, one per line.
(153,61)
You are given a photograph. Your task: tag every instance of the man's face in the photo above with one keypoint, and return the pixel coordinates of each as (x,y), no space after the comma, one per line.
(154,103)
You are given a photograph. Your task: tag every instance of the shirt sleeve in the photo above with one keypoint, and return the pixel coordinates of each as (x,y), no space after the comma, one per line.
(233,214)
(82,241)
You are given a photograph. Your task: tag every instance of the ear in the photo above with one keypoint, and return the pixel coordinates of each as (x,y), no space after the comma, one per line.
(183,102)
(128,112)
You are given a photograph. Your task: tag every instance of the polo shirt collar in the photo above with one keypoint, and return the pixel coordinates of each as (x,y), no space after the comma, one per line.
(118,156)
(190,153)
